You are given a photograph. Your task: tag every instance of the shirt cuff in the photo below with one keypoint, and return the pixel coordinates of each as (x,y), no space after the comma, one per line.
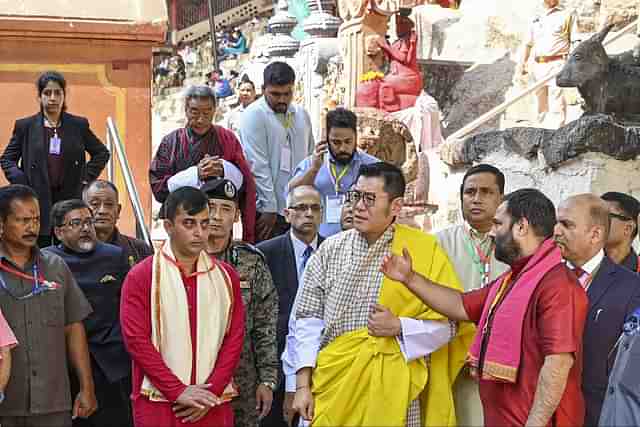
(186,178)
(419,338)
(233,174)
(308,334)
(290,383)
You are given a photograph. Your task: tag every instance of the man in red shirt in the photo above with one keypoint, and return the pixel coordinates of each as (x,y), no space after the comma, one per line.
(527,351)
(182,322)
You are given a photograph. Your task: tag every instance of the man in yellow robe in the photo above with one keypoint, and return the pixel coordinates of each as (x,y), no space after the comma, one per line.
(363,341)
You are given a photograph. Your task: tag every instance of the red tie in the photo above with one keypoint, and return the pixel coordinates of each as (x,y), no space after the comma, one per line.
(579,272)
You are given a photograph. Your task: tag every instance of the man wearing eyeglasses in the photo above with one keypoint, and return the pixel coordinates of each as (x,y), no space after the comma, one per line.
(614,292)
(623,211)
(99,269)
(333,167)
(362,341)
(42,302)
(275,135)
(287,257)
(201,151)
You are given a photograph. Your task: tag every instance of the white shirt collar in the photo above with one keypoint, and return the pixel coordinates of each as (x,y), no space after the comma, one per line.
(299,246)
(591,265)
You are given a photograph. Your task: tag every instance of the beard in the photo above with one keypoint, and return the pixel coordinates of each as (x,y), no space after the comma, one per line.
(85,246)
(342,160)
(507,249)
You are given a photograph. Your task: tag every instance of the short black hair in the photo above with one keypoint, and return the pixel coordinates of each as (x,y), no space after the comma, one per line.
(394,182)
(533,205)
(62,208)
(278,74)
(484,168)
(14,192)
(246,80)
(52,76)
(101,184)
(190,199)
(342,118)
(629,205)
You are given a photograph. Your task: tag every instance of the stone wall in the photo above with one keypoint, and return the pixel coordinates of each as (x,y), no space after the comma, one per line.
(593,172)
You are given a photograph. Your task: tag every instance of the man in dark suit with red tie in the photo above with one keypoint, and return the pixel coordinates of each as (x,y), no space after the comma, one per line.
(287,256)
(614,292)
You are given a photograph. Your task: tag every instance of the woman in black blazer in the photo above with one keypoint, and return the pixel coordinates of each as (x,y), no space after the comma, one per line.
(47,151)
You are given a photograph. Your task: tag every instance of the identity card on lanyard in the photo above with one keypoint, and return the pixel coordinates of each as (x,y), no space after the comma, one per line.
(334,203)
(285,155)
(55,144)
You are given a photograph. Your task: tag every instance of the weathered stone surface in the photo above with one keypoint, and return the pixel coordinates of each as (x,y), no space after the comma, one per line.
(481,88)
(591,133)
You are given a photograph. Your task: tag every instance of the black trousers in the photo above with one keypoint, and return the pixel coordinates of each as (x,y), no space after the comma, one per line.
(114,403)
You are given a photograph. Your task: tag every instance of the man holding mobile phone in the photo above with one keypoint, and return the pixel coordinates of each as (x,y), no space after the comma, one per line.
(333,167)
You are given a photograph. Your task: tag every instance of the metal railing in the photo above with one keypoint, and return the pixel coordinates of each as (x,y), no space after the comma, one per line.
(190,13)
(491,114)
(114,143)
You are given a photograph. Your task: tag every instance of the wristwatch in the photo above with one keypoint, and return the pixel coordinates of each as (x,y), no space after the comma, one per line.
(270,384)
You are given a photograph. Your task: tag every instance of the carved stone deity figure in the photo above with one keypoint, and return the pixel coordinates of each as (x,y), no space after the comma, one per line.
(363,19)
(400,88)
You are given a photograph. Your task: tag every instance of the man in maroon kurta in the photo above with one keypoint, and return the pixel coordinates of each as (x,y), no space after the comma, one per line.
(553,324)
(201,151)
(538,382)
(197,404)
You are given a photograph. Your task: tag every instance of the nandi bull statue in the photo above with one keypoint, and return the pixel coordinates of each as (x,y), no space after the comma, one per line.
(608,84)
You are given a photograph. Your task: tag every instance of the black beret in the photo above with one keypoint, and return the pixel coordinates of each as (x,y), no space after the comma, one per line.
(220,188)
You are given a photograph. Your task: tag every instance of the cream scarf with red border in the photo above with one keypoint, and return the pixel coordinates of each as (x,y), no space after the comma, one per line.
(170,331)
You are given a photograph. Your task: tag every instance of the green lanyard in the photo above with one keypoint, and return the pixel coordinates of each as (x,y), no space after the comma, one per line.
(336,177)
(481,260)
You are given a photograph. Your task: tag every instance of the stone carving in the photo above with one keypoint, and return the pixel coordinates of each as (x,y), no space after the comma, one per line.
(607,84)
(280,25)
(590,133)
(400,88)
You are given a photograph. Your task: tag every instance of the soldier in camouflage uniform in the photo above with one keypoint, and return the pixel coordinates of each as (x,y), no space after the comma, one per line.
(257,371)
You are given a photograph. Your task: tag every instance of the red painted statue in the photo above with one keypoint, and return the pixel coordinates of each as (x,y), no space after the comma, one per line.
(400,88)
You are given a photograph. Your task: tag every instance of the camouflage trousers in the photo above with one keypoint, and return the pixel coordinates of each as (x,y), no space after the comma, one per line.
(244,406)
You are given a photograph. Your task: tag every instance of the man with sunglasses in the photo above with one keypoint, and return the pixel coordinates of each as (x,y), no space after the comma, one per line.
(287,257)
(623,211)
(42,302)
(99,269)
(363,341)
(275,135)
(333,167)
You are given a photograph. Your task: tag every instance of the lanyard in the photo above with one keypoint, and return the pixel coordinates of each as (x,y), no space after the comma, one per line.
(334,174)
(40,285)
(480,259)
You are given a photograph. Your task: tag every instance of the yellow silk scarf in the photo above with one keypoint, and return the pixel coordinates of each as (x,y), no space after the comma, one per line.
(362,380)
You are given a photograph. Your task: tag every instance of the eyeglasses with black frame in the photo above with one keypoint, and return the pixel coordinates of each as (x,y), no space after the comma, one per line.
(620,217)
(301,208)
(368,198)
(77,223)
